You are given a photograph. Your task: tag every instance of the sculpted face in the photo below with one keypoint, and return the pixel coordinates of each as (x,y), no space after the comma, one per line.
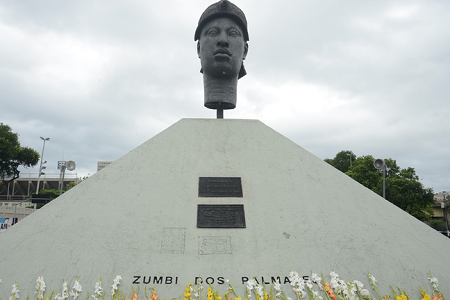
(221,48)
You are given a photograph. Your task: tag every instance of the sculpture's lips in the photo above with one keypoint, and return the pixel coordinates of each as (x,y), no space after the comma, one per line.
(222,51)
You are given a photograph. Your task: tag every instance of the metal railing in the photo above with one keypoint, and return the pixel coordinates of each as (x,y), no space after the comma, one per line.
(47,175)
(15,198)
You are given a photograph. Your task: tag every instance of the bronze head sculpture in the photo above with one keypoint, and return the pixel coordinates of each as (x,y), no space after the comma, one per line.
(222,46)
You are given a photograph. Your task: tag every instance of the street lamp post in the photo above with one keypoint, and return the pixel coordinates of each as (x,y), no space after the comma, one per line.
(41,167)
(380,164)
(445,207)
(350,155)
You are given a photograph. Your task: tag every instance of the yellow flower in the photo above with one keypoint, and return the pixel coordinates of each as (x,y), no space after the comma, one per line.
(426,297)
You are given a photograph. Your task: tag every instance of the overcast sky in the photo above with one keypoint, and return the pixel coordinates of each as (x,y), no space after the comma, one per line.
(99,78)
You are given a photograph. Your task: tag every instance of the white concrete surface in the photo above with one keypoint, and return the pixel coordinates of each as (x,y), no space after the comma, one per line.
(138,218)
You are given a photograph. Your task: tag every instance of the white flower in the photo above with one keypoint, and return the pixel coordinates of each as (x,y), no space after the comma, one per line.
(334,275)
(309,284)
(316,278)
(334,283)
(115,284)
(259,290)
(40,287)
(434,282)
(294,278)
(76,289)
(359,284)
(316,294)
(64,294)
(374,281)
(15,292)
(98,290)
(277,286)
(365,293)
(251,284)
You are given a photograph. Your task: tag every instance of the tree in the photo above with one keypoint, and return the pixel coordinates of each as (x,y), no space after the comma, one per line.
(12,155)
(74,183)
(53,195)
(403,187)
(342,160)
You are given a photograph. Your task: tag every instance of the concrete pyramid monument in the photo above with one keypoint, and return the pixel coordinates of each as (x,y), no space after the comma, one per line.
(220,199)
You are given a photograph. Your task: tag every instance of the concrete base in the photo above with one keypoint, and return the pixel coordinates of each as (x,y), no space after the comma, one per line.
(138,218)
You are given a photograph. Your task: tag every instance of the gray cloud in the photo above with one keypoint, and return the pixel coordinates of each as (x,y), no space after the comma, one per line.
(102,78)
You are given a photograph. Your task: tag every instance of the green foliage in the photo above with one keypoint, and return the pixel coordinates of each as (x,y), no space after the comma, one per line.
(365,173)
(70,185)
(53,195)
(12,155)
(403,187)
(342,160)
(73,183)
(438,225)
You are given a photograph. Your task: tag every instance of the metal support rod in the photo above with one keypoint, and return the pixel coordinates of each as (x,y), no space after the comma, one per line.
(7,194)
(40,168)
(15,207)
(61,181)
(384,181)
(220,112)
(446,216)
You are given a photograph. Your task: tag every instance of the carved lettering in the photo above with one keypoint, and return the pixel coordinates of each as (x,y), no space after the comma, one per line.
(168,280)
(277,279)
(220,280)
(244,280)
(157,280)
(200,280)
(136,279)
(149,280)
(212,280)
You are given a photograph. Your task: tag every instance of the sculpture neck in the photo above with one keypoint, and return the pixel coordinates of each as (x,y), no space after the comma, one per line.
(220,92)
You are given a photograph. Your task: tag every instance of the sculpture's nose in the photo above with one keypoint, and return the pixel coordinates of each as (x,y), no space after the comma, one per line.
(223,40)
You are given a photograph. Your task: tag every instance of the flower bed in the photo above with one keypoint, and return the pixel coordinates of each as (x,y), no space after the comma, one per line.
(335,289)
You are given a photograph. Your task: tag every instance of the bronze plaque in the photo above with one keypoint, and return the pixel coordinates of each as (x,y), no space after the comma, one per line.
(219,187)
(220,216)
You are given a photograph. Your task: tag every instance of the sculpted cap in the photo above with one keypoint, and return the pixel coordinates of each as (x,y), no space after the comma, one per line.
(223,8)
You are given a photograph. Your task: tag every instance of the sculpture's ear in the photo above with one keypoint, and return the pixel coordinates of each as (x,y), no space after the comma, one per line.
(245,51)
(198,49)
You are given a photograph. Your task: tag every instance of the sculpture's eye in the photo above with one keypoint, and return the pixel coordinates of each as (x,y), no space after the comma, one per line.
(213,31)
(233,32)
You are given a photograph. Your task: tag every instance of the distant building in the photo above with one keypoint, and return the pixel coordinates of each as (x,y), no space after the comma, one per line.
(441,196)
(102,164)
(438,206)
(24,186)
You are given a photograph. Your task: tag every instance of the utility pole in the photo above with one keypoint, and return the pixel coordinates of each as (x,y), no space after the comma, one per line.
(41,166)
